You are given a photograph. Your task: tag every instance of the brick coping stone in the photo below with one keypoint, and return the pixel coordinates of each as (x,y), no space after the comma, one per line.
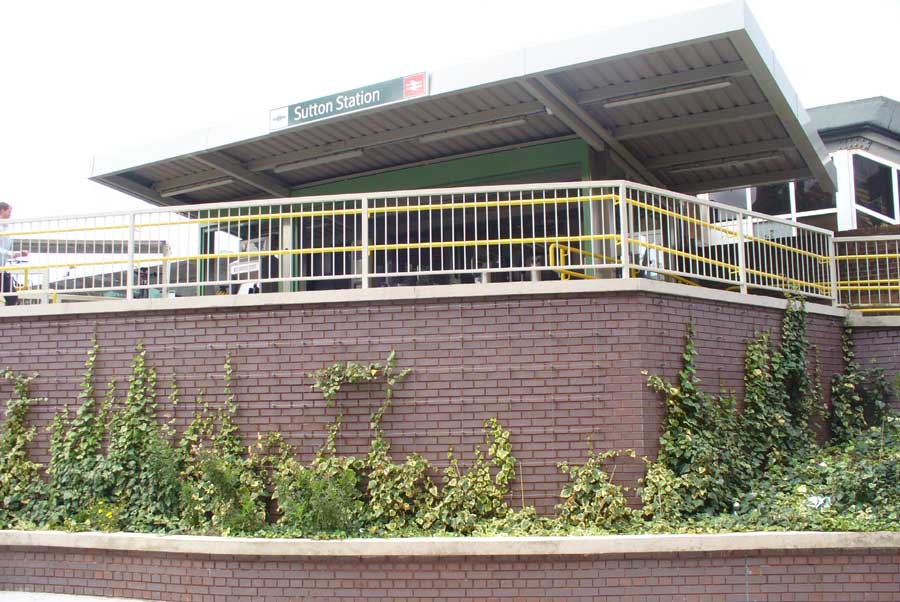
(455,546)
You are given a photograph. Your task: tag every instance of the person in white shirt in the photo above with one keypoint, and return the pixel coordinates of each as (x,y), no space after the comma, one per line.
(6,253)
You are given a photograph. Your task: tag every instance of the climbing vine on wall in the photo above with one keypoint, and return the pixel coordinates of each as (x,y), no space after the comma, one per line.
(116,463)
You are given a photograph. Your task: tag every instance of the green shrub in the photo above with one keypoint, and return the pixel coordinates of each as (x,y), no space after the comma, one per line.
(320,500)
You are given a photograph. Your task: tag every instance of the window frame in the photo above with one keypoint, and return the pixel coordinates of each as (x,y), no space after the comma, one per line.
(895,168)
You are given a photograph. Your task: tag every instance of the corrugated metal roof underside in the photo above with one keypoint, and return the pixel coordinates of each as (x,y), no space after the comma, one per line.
(724,133)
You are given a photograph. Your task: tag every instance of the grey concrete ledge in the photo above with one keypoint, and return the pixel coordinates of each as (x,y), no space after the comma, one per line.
(858,320)
(405,293)
(450,546)
(11,596)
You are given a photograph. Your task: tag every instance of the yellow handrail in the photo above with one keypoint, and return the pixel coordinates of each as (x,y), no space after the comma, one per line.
(329,213)
(715,228)
(867,257)
(565,250)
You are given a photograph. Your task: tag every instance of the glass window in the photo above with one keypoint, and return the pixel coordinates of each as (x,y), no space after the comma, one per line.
(827,221)
(736,197)
(864,220)
(809,196)
(772,200)
(873,184)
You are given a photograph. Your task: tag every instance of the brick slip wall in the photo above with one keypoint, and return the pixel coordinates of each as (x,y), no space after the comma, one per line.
(879,347)
(790,576)
(554,370)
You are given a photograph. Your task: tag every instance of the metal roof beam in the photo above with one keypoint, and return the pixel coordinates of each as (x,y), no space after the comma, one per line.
(672,80)
(236,170)
(399,135)
(745,181)
(567,110)
(130,187)
(687,122)
(189,180)
(726,152)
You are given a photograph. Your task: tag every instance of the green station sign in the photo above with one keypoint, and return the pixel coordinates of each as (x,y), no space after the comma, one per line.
(359,99)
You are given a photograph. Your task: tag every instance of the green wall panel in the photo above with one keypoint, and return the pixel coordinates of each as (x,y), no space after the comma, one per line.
(468,171)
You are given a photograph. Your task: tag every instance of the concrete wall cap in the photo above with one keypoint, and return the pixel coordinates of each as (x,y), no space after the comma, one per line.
(858,320)
(407,293)
(453,546)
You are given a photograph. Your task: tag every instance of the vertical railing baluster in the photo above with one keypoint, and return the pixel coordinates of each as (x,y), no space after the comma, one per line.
(832,268)
(742,260)
(365,241)
(129,276)
(624,232)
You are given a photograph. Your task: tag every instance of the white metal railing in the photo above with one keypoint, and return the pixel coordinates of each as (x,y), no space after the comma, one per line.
(702,242)
(868,272)
(573,230)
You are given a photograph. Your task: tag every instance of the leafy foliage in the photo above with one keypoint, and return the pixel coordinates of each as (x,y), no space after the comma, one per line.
(329,380)
(22,490)
(117,466)
(762,468)
(222,490)
(397,494)
(324,498)
(701,466)
(591,499)
(474,494)
(857,396)
(849,485)
(141,468)
(77,459)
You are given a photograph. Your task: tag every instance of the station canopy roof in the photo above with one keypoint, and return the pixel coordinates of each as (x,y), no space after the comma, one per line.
(691,103)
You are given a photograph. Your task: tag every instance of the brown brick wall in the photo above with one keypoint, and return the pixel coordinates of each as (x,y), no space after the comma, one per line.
(554,370)
(879,347)
(791,576)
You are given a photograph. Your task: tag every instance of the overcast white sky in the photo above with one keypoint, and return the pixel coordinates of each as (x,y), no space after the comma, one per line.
(88,77)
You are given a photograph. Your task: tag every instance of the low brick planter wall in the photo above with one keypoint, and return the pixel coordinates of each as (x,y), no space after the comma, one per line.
(740,567)
(559,364)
